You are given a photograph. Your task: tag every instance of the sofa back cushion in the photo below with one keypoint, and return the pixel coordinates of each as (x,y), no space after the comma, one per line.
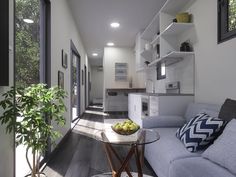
(195,108)
(228,110)
(223,151)
(200,131)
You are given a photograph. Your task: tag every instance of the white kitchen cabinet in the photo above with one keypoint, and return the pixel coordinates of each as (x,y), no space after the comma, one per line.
(134,107)
(158,105)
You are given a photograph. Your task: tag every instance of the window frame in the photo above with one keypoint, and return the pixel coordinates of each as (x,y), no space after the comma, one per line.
(223,33)
(159,71)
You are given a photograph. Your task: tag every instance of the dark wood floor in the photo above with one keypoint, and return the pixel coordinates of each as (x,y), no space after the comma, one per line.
(81,156)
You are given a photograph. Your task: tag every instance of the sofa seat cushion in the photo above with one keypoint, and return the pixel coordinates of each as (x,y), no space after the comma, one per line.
(166,150)
(197,167)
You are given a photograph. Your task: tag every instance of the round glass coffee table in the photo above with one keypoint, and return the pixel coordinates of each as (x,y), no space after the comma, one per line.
(136,142)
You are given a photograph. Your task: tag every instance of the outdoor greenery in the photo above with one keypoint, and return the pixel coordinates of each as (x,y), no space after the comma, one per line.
(27,42)
(25,110)
(232,15)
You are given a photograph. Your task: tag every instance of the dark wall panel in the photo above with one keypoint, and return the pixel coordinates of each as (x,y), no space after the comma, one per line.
(4,43)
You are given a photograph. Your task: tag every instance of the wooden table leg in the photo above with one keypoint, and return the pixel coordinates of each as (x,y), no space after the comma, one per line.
(109,157)
(109,151)
(125,162)
(120,160)
(138,162)
(142,149)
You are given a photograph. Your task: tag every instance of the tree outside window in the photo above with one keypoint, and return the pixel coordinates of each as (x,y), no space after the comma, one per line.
(27,42)
(226,19)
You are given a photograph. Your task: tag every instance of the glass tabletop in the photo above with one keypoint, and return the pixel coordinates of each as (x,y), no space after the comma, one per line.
(141,137)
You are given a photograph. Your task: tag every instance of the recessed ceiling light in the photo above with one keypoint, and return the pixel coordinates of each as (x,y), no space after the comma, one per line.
(110,44)
(28,20)
(115,25)
(95,54)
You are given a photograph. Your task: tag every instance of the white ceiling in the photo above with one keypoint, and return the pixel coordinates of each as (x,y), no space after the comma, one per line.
(93,18)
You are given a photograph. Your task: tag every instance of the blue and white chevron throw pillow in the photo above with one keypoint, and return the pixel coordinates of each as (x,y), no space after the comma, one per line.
(200,131)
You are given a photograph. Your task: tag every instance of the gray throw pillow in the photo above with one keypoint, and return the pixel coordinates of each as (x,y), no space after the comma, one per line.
(223,151)
(228,110)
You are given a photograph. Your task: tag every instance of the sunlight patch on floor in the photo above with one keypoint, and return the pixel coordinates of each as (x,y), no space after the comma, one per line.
(96,106)
(96,113)
(94,129)
(49,170)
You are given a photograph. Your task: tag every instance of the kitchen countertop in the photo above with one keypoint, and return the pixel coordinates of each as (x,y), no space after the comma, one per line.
(163,94)
(124,89)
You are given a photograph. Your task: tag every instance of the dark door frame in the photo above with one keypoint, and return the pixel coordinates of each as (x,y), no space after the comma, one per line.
(75,52)
(85,87)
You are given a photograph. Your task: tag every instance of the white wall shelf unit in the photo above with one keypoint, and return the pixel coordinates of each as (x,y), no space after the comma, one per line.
(171,58)
(177,28)
(174,57)
(165,36)
(174,6)
(155,41)
(147,54)
(151,29)
(154,62)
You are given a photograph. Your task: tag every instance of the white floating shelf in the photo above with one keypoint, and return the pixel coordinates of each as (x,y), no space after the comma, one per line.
(151,29)
(177,28)
(173,7)
(154,62)
(174,57)
(171,58)
(147,54)
(156,41)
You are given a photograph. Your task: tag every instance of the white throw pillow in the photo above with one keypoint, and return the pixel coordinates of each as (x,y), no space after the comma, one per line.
(223,151)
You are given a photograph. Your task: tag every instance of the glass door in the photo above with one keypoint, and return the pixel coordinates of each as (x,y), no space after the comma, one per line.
(75,92)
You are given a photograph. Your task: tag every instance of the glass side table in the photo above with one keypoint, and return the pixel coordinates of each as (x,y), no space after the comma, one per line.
(136,143)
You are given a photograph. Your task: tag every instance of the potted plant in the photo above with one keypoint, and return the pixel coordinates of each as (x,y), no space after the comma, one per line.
(27,113)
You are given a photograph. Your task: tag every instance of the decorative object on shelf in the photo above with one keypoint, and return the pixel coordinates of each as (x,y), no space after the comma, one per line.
(183,17)
(121,71)
(127,127)
(32,130)
(64,59)
(61,79)
(148,46)
(147,62)
(186,47)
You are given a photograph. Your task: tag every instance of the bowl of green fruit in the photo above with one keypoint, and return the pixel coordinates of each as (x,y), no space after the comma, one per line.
(127,127)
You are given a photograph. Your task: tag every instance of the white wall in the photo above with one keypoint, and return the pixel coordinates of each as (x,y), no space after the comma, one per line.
(7,145)
(63,29)
(214,63)
(97,83)
(113,55)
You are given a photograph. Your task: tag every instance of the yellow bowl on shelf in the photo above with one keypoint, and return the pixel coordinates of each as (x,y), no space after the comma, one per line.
(183,17)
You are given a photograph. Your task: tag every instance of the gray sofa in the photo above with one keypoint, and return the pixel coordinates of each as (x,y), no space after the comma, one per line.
(168,156)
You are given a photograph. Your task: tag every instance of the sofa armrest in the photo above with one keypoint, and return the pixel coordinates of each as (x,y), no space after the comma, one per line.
(163,121)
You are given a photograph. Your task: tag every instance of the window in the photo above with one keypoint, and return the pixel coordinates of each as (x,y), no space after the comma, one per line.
(226,20)
(32,55)
(161,71)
